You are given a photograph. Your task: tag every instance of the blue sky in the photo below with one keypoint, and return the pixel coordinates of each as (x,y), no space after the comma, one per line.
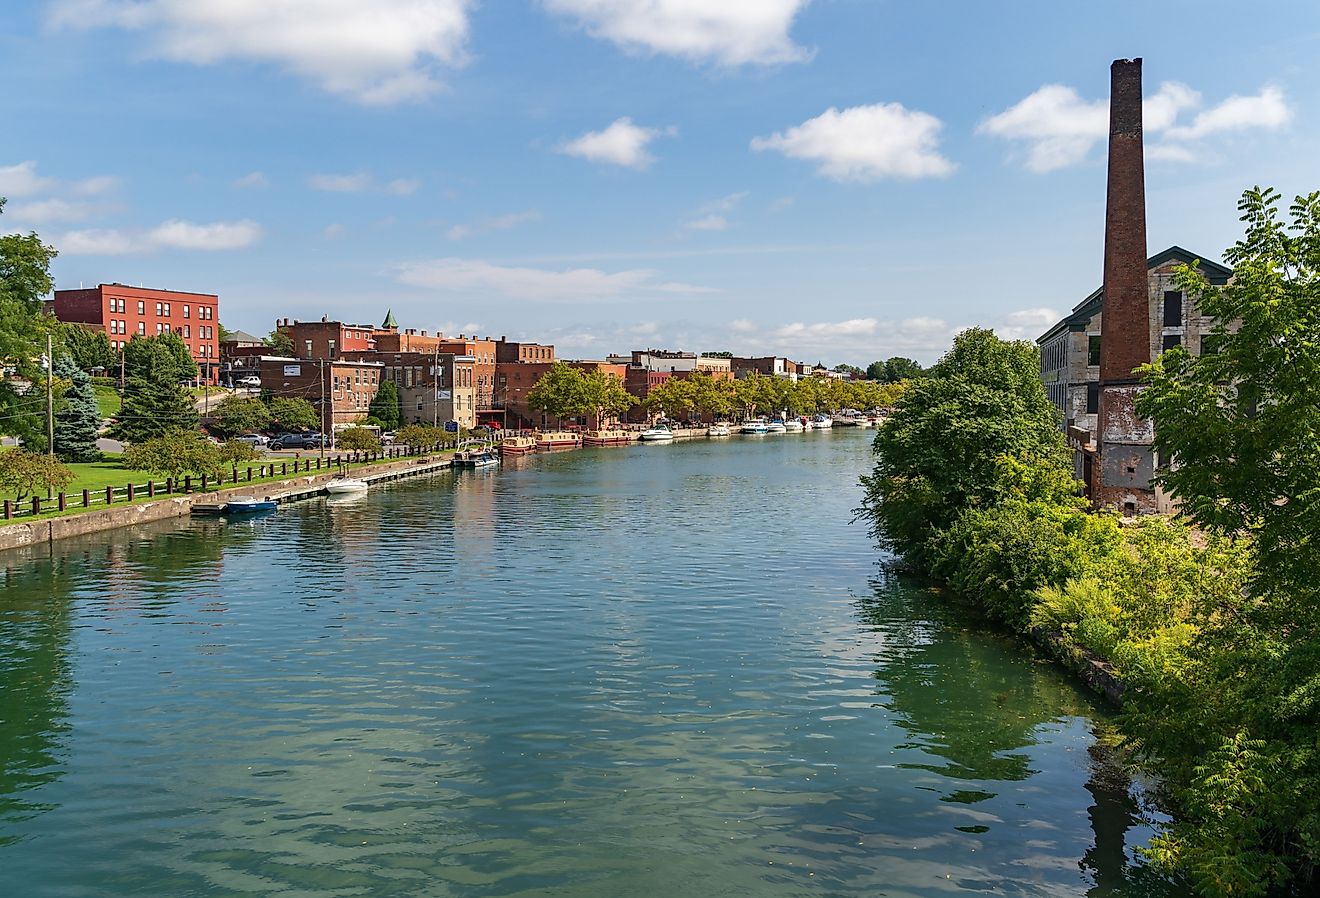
(841,180)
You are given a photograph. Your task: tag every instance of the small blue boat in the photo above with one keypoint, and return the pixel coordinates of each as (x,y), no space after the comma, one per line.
(249,505)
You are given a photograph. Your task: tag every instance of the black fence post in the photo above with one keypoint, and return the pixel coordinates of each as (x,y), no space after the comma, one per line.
(9,510)
(61,500)
(187,483)
(109,495)
(36,505)
(151,488)
(87,498)
(130,492)
(203,481)
(249,472)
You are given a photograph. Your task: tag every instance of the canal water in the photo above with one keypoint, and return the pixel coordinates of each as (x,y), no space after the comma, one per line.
(642,671)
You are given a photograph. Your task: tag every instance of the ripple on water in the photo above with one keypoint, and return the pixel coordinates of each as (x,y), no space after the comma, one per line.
(608,672)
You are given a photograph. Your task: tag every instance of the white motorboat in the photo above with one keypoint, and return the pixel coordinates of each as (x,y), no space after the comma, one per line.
(718,429)
(793,425)
(757,427)
(342,486)
(776,426)
(822,422)
(488,459)
(660,433)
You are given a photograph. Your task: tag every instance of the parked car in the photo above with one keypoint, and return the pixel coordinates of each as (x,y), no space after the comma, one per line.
(387,438)
(254,439)
(296,441)
(251,381)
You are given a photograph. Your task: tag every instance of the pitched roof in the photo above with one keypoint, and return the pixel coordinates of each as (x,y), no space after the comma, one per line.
(1085,310)
(389,320)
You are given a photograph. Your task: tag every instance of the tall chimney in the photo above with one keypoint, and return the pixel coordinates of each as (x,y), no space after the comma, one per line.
(1126,342)
(1126,462)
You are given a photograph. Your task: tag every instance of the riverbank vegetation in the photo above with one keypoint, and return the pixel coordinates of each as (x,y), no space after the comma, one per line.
(1211,618)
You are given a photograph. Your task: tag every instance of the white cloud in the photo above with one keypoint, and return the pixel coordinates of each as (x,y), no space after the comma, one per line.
(1061,129)
(96,185)
(403,186)
(1026,324)
(173,234)
(865,143)
(713,216)
(220,235)
(622,143)
(381,52)
(48,210)
(1267,109)
(333,231)
(98,243)
(22,180)
(496,223)
(577,284)
(829,330)
(727,32)
(354,183)
(708,223)
(252,179)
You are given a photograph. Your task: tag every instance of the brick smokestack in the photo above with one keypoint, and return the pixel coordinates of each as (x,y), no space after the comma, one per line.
(1126,339)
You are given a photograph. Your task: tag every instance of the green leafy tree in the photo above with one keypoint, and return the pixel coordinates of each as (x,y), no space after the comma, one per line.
(940,451)
(893,370)
(239,414)
(1231,722)
(387,407)
(24,473)
(154,400)
(280,343)
(90,349)
(713,396)
(293,415)
(420,435)
(605,395)
(77,423)
(675,397)
(560,392)
(357,438)
(24,280)
(235,452)
(174,453)
(851,370)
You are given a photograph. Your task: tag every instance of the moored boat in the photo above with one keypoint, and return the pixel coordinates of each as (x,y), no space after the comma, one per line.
(660,433)
(558,439)
(822,422)
(517,445)
(776,426)
(611,436)
(341,486)
(792,425)
(755,426)
(249,505)
(718,429)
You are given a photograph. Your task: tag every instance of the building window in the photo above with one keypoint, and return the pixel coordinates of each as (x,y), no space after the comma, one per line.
(1093,349)
(330,347)
(1172,340)
(187,311)
(186,331)
(158,308)
(1173,301)
(1093,398)
(1211,343)
(142,307)
(167,309)
(142,328)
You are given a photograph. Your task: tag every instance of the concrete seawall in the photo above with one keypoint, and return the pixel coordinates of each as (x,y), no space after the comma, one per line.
(17,536)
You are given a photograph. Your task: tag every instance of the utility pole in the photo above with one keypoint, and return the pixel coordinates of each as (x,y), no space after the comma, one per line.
(50,396)
(324,431)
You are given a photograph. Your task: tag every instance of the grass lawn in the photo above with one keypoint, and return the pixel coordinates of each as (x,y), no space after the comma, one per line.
(109,401)
(96,476)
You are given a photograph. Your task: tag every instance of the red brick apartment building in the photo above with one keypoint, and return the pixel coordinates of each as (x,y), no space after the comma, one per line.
(341,390)
(326,339)
(124,312)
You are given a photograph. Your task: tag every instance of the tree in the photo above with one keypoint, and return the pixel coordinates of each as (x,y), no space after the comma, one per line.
(941,450)
(90,349)
(77,423)
(851,370)
(1230,722)
(294,415)
(387,407)
(605,395)
(420,435)
(560,392)
(154,400)
(174,453)
(357,438)
(24,280)
(23,473)
(893,370)
(238,414)
(280,343)
(675,397)
(234,452)
(713,396)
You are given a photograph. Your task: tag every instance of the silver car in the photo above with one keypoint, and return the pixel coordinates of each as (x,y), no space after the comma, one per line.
(253,439)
